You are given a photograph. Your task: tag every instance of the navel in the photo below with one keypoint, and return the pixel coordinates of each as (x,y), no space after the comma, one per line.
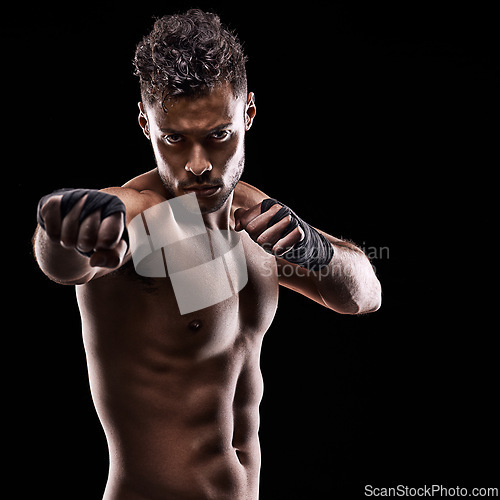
(195,325)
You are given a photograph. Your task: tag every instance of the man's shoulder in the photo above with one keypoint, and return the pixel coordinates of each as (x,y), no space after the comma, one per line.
(247,196)
(146,190)
(147,181)
(140,193)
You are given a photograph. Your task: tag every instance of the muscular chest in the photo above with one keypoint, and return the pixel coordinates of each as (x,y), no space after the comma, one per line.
(236,304)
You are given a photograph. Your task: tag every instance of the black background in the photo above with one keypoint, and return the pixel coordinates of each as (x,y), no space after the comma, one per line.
(376,122)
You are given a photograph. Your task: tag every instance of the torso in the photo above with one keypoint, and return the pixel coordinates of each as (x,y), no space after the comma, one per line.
(178,395)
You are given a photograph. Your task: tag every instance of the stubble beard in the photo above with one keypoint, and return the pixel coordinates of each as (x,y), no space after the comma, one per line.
(222,197)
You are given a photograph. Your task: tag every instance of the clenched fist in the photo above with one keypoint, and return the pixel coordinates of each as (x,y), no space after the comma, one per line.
(281,232)
(89,221)
(271,225)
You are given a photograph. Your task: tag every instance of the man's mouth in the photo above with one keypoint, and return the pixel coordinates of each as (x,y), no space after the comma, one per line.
(203,190)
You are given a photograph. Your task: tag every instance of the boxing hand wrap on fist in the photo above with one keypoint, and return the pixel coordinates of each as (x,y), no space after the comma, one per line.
(95,223)
(281,232)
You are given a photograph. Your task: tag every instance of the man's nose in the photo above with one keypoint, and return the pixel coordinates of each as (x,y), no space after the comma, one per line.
(198,162)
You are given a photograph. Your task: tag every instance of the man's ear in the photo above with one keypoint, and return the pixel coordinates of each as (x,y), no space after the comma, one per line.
(250,110)
(143,120)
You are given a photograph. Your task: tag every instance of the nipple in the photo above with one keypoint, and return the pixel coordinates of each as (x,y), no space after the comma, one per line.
(195,325)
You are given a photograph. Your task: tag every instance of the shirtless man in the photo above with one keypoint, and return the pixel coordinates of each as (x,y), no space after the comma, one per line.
(178,394)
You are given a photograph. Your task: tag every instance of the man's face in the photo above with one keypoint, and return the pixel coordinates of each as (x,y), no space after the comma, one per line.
(199,143)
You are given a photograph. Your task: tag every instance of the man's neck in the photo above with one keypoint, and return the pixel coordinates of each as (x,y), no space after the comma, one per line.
(221,218)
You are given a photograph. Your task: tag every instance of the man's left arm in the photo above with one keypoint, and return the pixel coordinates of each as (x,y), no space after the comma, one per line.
(334,273)
(347,284)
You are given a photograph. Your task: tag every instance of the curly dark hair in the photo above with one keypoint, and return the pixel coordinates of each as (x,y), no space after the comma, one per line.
(187,55)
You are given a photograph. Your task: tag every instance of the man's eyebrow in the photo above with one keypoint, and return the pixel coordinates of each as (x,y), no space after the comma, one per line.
(172,131)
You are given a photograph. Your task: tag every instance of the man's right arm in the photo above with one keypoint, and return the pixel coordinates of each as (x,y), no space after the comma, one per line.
(71,249)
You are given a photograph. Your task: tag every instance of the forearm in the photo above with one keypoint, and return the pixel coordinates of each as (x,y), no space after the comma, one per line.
(330,271)
(348,283)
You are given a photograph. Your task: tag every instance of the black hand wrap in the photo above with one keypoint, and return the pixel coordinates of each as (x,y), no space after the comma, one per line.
(107,203)
(314,251)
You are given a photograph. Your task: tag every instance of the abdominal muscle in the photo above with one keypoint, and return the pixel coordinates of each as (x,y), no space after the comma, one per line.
(191,443)
(181,423)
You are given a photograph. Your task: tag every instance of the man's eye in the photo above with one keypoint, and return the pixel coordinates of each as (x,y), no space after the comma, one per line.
(173,138)
(220,135)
